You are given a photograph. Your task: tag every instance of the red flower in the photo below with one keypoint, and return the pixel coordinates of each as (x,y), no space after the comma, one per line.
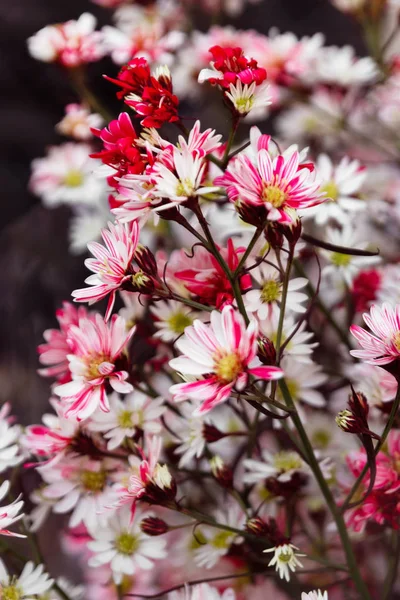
(365,287)
(229,65)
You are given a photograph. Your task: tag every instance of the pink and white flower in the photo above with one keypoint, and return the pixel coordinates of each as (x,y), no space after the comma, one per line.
(9,513)
(78,122)
(71,44)
(224,354)
(202,592)
(112,265)
(382,346)
(95,347)
(280,185)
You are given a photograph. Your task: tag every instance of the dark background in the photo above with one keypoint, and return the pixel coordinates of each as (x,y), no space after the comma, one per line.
(36,271)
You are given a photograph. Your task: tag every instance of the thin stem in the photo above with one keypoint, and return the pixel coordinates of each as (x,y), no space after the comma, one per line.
(225,158)
(245,256)
(334,509)
(393,566)
(78,80)
(283,308)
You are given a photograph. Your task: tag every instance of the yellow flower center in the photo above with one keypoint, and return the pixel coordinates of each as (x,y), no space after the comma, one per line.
(10,592)
(271,291)
(185,188)
(221,540)
(285,556)
(340,260)
(73,178)
(178,322)
(228,367)
(93,363)
(127,543)
(93,481)
(274,195)
(331,189)
(396,340)
(287,461)
(125,419)
(321,438)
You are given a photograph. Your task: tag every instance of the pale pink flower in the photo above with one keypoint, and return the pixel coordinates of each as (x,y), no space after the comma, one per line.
(382,346)
(10,513)
(224,354)
(71,44)
(54,352)
(95,346)
(202,592)
(112,265)
(78,122)
(53,437)
(281,185)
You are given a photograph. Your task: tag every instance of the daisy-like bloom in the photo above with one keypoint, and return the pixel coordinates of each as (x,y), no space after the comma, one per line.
(9,440)
(202,592)
(53,354)
(134,414)
(278,186)
(382,503)
(282,465)
(78,122)
(346,266)
(285,559)
(81,485)
(32,582)
(122,545)
(224,354)
(248,98)
(374,382)
(71,44)
(9,513)
(382,346)
(95,346)
(172,319)
(299,346)
(266,299)
(314,595)
(215,543)
(302,381)
(66,175)
(341,183)
(112,265)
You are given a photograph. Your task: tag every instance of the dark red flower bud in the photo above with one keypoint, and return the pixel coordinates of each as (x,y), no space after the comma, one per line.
(212,434)
(154,526)
(146,260)
(222,473)
(257,526)
(266,351)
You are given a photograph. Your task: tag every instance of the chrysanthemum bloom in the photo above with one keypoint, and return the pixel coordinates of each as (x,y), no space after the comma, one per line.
(278,186)
(78,122)
(71,44)
(122,545)
(224,354)
(9,513)
(53,354)
(121,153)
(382,346)
(112,265)
(94,349)
(285,559)
(382,503)
(150,95)
(32,582)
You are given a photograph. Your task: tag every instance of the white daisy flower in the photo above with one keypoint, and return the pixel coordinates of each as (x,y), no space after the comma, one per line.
(314,595)
(136,412)
(299,346)
(285,559)
(172,319)
(9,437)
(302,380)
(9,513)
(32,581)
(266,299)
(123,546)
(282,465)
(190,431)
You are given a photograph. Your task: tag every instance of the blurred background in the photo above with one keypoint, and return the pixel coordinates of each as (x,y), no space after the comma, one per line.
(36,269)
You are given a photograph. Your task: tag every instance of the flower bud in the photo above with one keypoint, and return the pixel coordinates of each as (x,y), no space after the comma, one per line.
(212,434)
(154,526)
(146,260)
(346,421)
(257,526)
(222,473)
(141,282)
(266,351)
(254,215)
(161,488)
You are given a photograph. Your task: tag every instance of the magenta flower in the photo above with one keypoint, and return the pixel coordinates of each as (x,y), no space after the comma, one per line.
(112,266)
(95,348)
(223,354)
(280,185)
(382,346)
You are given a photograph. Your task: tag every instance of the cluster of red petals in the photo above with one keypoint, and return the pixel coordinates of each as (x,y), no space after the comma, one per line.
(150,96)
(208,282)
(232,63)
(120,150)
(365,287)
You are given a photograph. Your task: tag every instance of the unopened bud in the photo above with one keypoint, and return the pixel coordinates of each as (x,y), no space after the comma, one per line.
(154,526)
(266,351)
(146,260)
(212,434)
(161,488)
(257,526)
(292,231)
(222,473)
(254,215)
(273,235)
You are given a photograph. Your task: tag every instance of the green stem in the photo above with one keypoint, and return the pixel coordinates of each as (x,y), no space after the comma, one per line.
(283,307)
(78,79)
(393,566)
(245,256)
(334,509)
(225,158)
